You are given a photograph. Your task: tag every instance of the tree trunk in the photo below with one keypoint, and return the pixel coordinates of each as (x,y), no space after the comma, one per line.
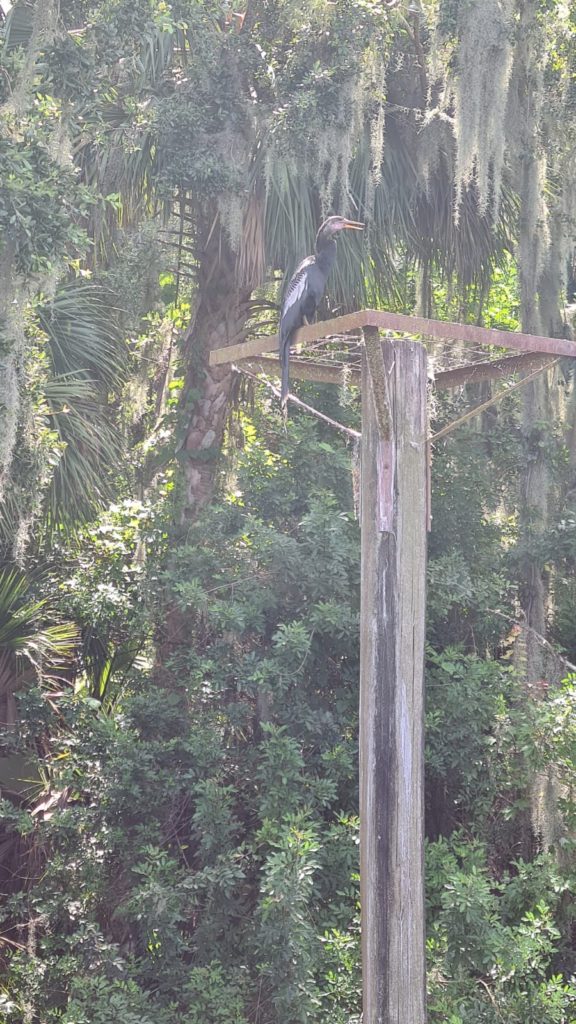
(219,320)
(533,252)
(221,314)
(534,506)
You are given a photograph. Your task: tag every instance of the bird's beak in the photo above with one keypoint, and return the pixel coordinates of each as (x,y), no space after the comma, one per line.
(354,225)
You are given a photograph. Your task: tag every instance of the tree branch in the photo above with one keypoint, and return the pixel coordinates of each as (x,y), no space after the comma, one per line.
(301,405)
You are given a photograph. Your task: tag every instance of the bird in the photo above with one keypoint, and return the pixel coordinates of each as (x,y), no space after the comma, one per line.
(306,288)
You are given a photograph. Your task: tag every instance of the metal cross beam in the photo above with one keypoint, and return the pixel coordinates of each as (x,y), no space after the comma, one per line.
(468,373)
(401,324)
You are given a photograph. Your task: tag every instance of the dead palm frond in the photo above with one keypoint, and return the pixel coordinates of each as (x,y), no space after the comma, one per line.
(251,267)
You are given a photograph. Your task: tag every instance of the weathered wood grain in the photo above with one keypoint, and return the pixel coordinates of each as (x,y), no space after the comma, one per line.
(391,699)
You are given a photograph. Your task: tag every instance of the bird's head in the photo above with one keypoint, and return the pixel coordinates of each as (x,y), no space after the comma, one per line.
(331,227)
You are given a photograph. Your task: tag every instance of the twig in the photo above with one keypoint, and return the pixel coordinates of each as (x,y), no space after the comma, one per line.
(241,579)
(344,339)
(491,997)
(10,942)
(520,622)
(297,401)
(523,625)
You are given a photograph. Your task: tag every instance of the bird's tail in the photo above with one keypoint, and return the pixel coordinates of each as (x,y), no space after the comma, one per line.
(285,364)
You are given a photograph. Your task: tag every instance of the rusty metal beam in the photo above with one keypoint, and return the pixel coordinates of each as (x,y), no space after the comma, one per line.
(398,322)
(469,373)
(304,369)
(473,373)
(269,343)
(485,336)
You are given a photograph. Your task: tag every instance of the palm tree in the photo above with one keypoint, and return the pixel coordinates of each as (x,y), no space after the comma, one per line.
(294,152)
(241,134)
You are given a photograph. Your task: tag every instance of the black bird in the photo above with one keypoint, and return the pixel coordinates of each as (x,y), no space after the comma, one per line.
(306,288)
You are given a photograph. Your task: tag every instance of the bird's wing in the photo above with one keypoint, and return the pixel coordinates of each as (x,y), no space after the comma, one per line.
(291,317)
(296,289)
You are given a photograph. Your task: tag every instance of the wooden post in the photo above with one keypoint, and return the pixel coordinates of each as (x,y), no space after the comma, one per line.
(393,514)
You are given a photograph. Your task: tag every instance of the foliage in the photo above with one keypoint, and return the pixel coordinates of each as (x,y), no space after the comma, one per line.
(22,632)
(40,205)
(180,830)
(491,945)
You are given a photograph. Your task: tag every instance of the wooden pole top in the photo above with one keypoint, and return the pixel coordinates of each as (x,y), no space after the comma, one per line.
(401,324)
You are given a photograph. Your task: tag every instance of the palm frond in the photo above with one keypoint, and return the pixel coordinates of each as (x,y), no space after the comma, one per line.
(18,25)
(106,665)
(290,217)
(88,360)
(23,632)
(81,333)
(126,164)
(413,211)
(365,270)
(87,363)
(158,46)
(91,448)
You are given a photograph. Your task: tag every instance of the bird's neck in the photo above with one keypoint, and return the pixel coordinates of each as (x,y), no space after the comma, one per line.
(326,255)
